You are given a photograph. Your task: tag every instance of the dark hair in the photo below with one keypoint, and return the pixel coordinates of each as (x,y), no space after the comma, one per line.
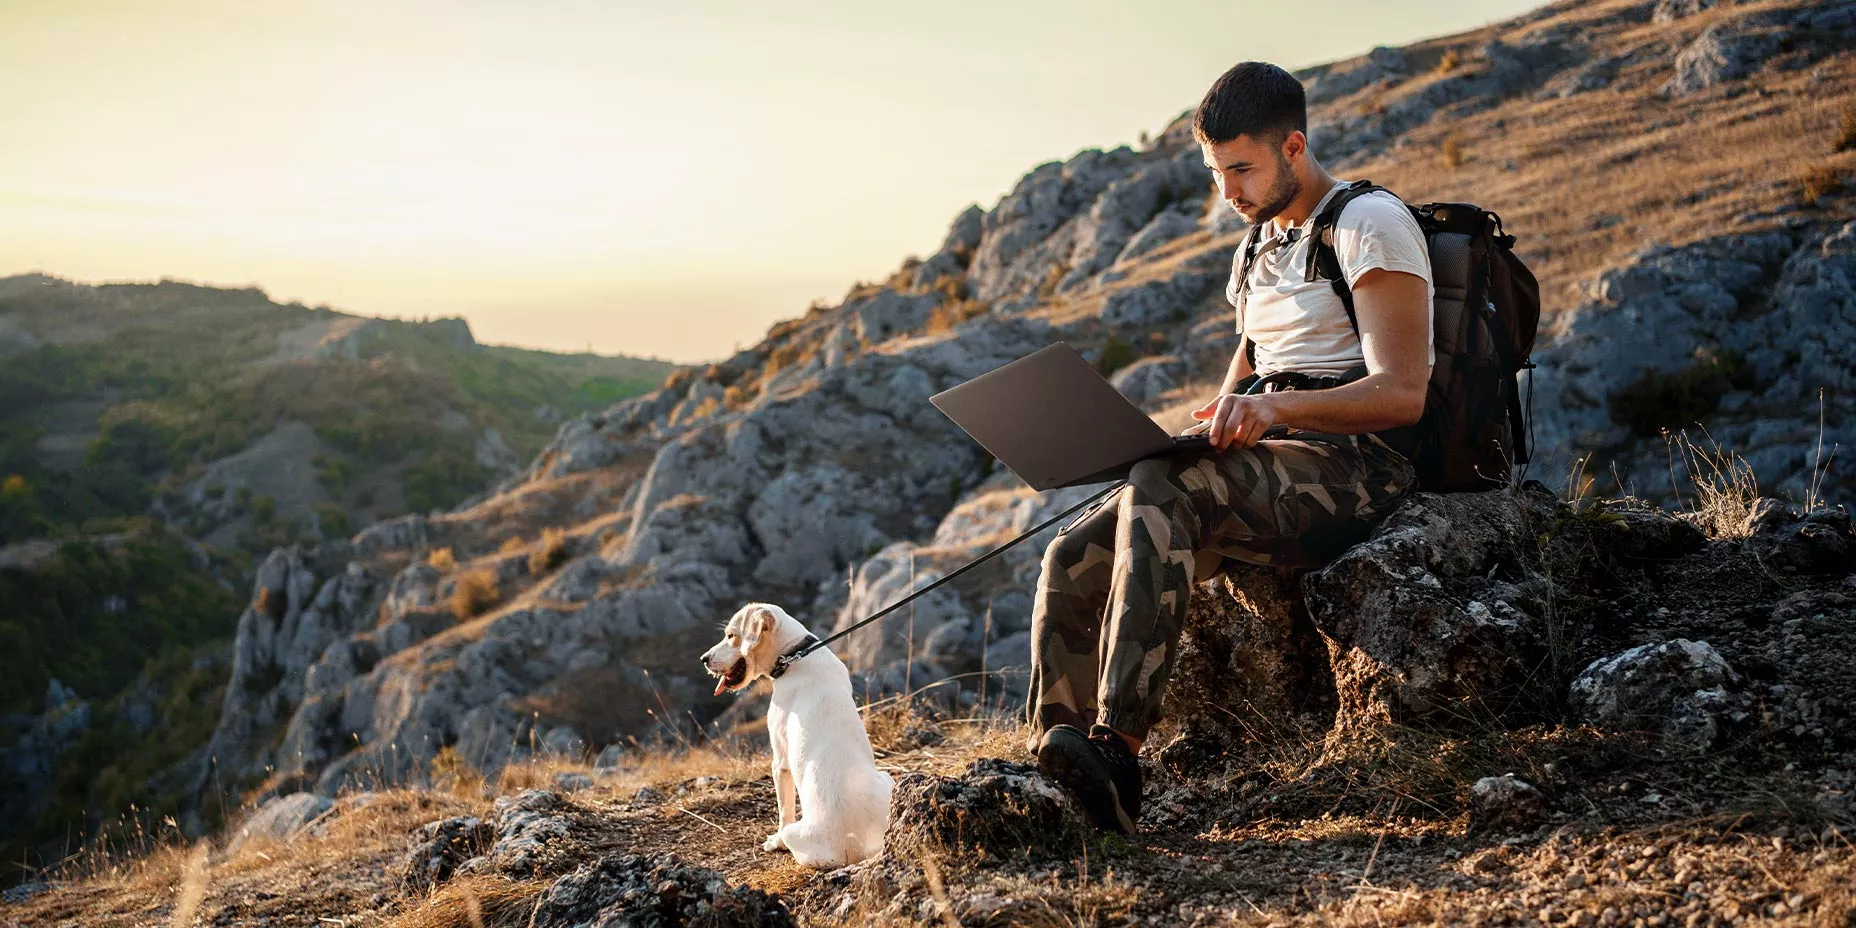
(1255,98)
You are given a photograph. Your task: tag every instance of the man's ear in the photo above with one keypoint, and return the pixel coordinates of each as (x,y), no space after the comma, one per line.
(1294,145)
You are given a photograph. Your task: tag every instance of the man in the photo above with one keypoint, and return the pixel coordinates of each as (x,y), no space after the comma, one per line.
(1111,602)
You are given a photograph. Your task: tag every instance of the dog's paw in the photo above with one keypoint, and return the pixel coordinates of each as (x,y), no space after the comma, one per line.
(772,843)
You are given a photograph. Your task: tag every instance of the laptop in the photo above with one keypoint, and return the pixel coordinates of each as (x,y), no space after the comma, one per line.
(1056,422)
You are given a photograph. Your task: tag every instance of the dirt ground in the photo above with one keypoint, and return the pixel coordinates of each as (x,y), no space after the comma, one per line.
(1687,844)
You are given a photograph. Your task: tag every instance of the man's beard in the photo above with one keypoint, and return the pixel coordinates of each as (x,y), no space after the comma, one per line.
(1281,194)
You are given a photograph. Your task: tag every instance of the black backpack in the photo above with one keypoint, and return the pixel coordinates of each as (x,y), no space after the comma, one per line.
(1486,312)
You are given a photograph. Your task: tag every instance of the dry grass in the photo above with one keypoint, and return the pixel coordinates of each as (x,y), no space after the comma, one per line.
(474,593)
(1723,487)
(450,773)
(476,902)
(549,552)
(1451,60)
(1818,181)
(441,559)
(1452,152)
(1846,132)
(511,545)
(949,315)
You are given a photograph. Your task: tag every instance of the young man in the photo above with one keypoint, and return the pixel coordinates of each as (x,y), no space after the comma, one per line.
(1111,602)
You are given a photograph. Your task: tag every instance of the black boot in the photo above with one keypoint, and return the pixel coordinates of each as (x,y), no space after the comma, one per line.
(1099,770)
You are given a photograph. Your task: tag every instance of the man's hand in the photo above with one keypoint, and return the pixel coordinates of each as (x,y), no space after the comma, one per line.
(1235,419)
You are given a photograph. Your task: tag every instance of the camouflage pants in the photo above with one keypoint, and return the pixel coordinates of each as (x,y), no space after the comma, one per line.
(1111,601)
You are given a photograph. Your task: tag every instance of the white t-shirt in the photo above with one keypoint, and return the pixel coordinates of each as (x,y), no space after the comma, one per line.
(1301,325)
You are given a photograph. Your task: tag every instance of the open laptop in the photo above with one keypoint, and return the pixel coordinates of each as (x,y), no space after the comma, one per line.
(1056,422)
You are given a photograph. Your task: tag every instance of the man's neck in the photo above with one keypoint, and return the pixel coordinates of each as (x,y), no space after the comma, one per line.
(1299,209)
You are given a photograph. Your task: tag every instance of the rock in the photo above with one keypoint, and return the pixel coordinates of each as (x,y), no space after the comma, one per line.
(1382,65)
(1167,225)
(995,806)
(1680,688)
(1722,53)
(1418,628)
(635,890)
(568,781)
(24,891)
(563,741)
(609,758)
(1160,302)
(279,819)
(443,845)
(1145,380)
(1668,11)
(528,825)
(1506,801)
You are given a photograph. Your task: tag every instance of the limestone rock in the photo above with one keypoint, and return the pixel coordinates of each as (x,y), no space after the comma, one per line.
(635,890)
(1720,54)
(443,845)
(279,819)
(1506,801)
(1679,687)
(1159,302)
(996,806)
(1144,380)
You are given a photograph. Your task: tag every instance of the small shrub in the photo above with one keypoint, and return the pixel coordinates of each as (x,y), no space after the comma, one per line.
(1656,402)
(948,316)
(1453,152)
(511,545)
(1819,181)
(1116,354)
(474,593)
(735,397)
(1846,134)
(1449,62)
(441,559)
(549,552)
(1051,280)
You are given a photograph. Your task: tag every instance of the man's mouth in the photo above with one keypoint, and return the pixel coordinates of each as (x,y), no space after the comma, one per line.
(737,673)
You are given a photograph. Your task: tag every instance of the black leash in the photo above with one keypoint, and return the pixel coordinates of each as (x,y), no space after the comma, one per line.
(813,642)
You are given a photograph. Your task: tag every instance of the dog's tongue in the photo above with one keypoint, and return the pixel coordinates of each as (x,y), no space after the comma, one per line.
(721,685)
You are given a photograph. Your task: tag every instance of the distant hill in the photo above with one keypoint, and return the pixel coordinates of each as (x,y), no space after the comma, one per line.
(248,423)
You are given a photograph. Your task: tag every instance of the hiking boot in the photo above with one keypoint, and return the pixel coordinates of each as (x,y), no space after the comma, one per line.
(1099,770)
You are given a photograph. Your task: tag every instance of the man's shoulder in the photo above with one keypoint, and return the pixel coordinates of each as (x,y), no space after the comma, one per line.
(1374,211)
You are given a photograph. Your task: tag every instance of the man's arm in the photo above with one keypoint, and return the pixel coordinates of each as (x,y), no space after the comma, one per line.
(1393,315)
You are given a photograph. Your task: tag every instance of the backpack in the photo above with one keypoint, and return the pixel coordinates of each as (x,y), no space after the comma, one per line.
(1486,313)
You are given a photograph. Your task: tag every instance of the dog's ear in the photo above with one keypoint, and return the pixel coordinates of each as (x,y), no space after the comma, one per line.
(761,623)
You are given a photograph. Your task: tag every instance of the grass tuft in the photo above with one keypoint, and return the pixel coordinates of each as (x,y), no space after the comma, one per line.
(474,593)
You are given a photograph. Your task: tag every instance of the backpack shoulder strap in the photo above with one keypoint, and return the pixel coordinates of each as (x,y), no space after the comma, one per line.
(1323,261)
(1241,264)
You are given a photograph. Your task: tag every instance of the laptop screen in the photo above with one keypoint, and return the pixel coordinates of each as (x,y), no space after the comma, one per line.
(1052,419)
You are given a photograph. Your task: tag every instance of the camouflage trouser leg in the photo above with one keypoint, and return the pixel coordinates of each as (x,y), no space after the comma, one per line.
(1111,602)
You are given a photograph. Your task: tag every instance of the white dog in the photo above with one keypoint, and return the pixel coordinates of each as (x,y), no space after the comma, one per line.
(820,748)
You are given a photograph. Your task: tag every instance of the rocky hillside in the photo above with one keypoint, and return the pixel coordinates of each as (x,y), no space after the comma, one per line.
(1676,174)
(154,438)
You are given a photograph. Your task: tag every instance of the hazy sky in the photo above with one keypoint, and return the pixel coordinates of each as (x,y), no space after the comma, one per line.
(649,178)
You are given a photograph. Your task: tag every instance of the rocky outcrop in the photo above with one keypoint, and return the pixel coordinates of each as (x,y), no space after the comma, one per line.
(1735,332)
(1472,612)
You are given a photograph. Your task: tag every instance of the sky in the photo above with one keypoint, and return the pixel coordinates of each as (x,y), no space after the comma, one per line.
(661,179)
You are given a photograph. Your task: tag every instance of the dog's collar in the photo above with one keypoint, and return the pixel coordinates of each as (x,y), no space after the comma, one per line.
(784,661)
